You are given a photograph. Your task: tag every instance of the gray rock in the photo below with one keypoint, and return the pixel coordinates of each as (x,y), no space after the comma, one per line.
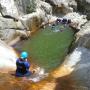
(77,19)
(8,57)
(79,61)
(7,23)
(8,29)
(84,7)
(33,21)
(7,34)
(83,36)
(8,8)
(44,6)
(64,6)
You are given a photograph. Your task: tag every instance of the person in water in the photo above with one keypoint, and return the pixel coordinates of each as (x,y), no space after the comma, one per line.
(58,21)
(23,66)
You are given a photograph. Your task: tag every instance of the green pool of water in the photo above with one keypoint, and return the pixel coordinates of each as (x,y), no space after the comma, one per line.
(48,47)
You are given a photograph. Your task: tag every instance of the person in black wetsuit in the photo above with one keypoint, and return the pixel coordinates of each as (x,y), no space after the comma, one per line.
(23,66)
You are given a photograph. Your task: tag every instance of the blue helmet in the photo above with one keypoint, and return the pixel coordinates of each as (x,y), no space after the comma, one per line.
(24,55)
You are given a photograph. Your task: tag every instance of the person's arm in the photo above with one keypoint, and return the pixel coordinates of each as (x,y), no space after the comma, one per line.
(27,64)
(17,61)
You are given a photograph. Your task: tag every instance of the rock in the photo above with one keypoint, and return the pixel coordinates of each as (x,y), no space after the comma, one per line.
(30,6)
(6,23)
(7,58)
(88,1)
(33,21)
(7,34)
(83,6)
(83,36)
(8,29)
(30,21)
(44,6)
(77,19)
(25,6)
(8,8)
(64,6)
(79,61)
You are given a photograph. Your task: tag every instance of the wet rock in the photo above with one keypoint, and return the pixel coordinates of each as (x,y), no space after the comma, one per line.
(80,62)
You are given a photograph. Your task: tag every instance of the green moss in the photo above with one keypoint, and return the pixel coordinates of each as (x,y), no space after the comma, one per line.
(48,48)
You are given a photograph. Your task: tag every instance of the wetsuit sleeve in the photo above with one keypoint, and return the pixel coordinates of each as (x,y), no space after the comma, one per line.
(17,61)
(27,64)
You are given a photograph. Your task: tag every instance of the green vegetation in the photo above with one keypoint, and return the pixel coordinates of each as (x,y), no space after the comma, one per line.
(48,48)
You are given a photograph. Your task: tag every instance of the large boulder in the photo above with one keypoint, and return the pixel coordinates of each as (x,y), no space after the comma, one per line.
(8,8)
(12,23)
(7,58)
(8,29)
(33,21)
(64,6)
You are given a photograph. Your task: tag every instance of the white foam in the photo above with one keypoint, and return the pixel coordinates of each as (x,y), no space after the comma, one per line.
(80,53)
(38,75)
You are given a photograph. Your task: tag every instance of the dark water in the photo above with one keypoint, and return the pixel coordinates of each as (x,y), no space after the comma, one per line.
(48,46)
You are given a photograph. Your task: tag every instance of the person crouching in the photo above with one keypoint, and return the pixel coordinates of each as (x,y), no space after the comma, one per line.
(23,66)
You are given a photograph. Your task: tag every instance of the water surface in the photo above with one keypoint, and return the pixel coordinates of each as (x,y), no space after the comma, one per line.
(48,46)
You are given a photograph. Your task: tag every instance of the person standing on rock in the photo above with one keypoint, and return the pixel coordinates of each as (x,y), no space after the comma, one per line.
(23,66)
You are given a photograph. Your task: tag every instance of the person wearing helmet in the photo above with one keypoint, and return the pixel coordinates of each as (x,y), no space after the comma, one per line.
(23,65)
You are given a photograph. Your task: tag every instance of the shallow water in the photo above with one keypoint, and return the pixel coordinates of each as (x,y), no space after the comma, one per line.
(47,47)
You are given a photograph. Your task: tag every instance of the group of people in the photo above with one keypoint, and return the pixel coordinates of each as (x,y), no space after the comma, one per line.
(63,21)
(59,21)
